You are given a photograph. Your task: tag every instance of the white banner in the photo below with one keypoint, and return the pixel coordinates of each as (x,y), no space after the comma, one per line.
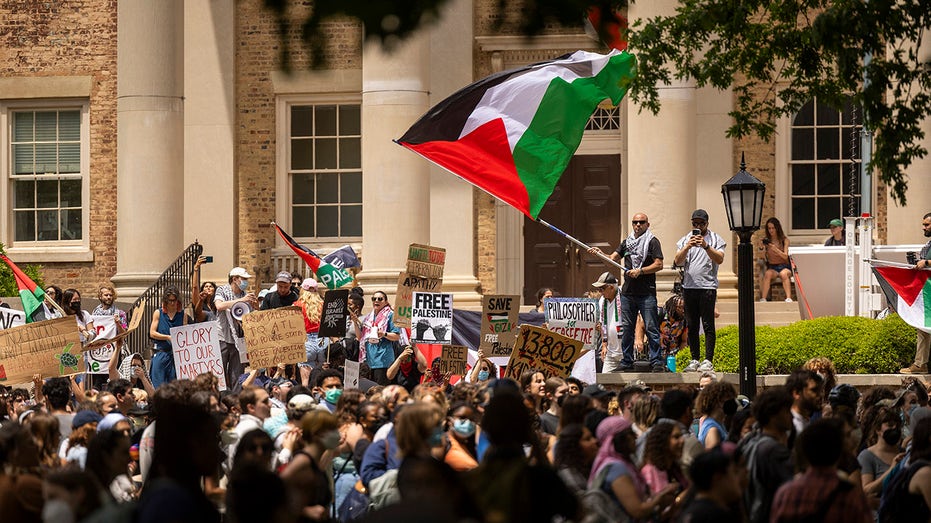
(97,361)
(10,318)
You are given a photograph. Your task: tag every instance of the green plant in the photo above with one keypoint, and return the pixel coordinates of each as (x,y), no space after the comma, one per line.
(856,346)
(8,282)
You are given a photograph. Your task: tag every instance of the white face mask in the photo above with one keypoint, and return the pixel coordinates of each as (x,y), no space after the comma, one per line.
(57,511)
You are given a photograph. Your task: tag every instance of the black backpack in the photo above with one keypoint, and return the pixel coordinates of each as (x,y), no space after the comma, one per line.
(897,504)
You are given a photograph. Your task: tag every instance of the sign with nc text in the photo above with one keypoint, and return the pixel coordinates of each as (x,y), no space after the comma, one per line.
(499,324)
(550,353)
(572,317)
(432,318)
(196,350)
(454,360)
(407,284)
(275,336)
(49,348)
(426,261)
(333,318)
(351,374)
(10,318)
(97,361)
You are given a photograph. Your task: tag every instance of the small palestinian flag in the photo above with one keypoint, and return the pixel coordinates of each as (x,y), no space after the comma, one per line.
(513,133)
(31,294)
(908,292)
(332,277)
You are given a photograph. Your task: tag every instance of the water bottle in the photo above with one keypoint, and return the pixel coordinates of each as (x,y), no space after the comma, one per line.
(671,363)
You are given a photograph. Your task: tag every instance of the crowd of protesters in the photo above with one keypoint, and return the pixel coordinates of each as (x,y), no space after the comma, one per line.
(290,443)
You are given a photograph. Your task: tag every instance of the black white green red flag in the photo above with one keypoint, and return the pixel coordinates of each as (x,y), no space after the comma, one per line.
(29,293)
(513,133)
(331,276)
(908,291)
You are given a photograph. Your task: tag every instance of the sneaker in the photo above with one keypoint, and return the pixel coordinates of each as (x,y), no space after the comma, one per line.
(915,369)
(762,300)
(706,366)
(788,300)
(692,367)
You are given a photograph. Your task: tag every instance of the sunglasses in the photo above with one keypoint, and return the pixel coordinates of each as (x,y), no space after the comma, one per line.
(698,224)
(377,298)
(638,222)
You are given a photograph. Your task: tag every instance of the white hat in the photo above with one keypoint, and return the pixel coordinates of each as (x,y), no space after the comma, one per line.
(239,271)
(309,284)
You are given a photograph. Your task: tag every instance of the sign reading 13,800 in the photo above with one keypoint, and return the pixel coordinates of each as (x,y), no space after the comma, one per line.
(539,349)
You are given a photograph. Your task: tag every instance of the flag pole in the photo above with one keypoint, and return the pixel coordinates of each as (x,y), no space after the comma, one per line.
(55,304)
(604,257)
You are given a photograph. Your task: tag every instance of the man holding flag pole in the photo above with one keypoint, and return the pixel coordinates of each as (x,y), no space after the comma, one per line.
(923,343)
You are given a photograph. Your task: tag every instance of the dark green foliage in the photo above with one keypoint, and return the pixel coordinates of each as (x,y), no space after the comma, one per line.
(8,283)
(855,345)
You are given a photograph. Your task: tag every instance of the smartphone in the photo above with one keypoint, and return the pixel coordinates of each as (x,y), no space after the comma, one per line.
(208,259)
(696,232)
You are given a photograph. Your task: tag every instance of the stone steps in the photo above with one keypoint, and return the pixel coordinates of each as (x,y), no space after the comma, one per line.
(772,313)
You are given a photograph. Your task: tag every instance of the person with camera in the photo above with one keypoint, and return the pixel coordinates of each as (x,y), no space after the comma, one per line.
(923,343)
(775,247)
(701,252)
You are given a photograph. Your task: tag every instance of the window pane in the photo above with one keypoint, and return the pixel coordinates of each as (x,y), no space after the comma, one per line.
(803,179)
(803,213)
(326,120)
(350,153)
(328,221)
(22,127)
(350,189)
(47,194)
(302,121)
(803,144)
(24,194)
(827,115)
(302,154)
(828,209)
(48,225)
(70,224)
(302,222)
(69,158)
(326,153)
(46,158)
(350,121)
(828,179)
(327,188)
(69,126)
(302,188)
(25,226)
(46,126)
(23,159)
(804,116)
(71,193)
(828,144)
(351,220)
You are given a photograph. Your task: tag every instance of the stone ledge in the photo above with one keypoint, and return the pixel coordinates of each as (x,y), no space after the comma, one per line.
(667,380)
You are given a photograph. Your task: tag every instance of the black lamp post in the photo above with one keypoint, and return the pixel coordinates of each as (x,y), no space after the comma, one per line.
(743,202)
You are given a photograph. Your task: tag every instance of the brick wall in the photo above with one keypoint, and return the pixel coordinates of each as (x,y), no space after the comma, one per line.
(74,38)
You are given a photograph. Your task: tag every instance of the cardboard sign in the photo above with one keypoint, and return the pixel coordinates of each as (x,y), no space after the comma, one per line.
(432,318)
(550,353)
(454,359)
(499,324)
(572,317)
(133,325)
(97,361)
(426,261)
(49,348)
(10,318)
(407,285)
(275,336)
(335,309)
(196,350)
(351,375)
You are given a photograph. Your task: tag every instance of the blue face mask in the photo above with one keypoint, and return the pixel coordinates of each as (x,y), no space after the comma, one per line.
(332,395)
(482,375)
(243,285)
(436,438)
(464,427)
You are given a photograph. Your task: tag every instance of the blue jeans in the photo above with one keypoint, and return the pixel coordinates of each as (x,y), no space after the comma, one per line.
(315,349)
(646,306)
(163,368)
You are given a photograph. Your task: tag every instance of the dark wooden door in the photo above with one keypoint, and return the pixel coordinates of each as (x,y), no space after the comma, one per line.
(585,204)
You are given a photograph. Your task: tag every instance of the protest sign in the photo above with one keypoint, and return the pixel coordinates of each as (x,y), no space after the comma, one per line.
(196,351)
(426,261)
(275,336)
(97,361)
(10,318)
(134,322)
(572,317)
(454,359)
(499,324)
(333,318)
(432,312)
(550,353)
(407,285)
(49,348)
(351,375)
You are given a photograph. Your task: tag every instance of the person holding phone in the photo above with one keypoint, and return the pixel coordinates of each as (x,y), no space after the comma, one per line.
(701,252)
(775,247)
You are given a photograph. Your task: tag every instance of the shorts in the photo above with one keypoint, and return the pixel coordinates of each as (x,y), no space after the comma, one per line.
(779,268)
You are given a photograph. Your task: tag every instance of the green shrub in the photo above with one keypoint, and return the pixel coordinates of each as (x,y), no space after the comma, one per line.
(856,346)
(8,282)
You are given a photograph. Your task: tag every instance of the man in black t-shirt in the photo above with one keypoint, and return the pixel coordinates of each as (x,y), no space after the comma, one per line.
(284,296)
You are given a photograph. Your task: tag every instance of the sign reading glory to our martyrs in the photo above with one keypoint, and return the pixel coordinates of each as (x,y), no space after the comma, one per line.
(499,324)
(274,336)
(537,348)
(197,351)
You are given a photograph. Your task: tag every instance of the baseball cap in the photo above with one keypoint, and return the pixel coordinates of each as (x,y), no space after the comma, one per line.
(309,284)
(301,402)
(606,278)
(239,271)
(836,222)
(84,417)
(700,214)
(597,391)
(284,276)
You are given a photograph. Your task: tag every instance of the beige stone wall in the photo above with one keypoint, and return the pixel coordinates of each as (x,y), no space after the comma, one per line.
(74,38)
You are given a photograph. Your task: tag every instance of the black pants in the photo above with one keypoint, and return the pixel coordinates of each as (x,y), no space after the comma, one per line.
(699,304)
(232,366)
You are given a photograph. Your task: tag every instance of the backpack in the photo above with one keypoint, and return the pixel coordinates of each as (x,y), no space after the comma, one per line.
(383,490)
(897,503)
(599,507)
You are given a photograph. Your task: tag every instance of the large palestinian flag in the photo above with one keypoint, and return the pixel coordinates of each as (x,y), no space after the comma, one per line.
(513,133)
(31,294)
(332,277)
(908,291)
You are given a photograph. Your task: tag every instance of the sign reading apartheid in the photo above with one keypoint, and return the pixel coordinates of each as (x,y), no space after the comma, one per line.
(49,348)
(335,309)
(407,285)
(134,321)
(454,360)
(10,318)
(537,348)
(97,361)
(426,261)
(499,324)
(432,318)
(274,336)
(572,317)
(197,351)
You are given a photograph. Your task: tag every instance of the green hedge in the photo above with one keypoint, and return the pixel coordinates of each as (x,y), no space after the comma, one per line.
(8,283)
(855,345)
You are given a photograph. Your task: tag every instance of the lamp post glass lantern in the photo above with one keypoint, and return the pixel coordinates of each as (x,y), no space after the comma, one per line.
(743,203)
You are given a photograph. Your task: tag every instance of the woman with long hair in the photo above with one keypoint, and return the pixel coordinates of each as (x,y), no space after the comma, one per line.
(883,435)
(311,305)
(202,294)
(305,475)
(483,370)
(71,302)
(170,315)
(661,457)
(44,430)
(53,292)
(573,455)
(543,294)
(378,334)
(775,247)
(462,453)
(710,405)
(533,383)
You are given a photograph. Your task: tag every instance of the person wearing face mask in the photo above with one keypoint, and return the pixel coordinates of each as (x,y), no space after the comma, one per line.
(462,441)
(71,299)
(305,476)
(877,460)
(231,335)
(408,368)
(483,370)
(328,388)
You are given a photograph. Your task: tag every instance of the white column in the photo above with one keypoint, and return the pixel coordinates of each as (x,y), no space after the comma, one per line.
(150,146)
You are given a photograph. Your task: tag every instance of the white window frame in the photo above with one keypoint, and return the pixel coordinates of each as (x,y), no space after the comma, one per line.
(52,250)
